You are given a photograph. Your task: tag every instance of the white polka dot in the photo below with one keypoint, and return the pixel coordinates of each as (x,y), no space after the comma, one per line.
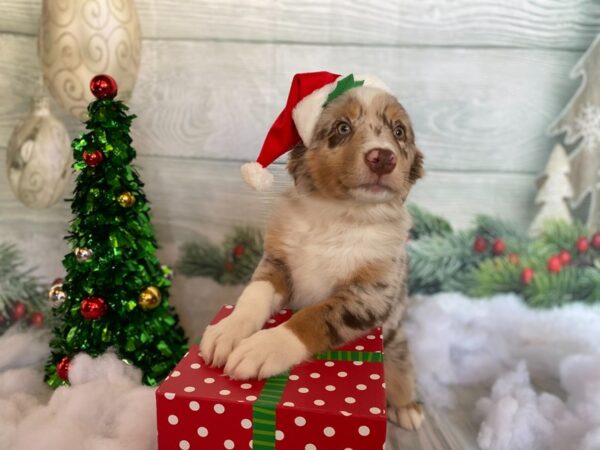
(246,424)
(329,364)
(330,388)
(361,387)
(289,404)
(271,321)
(328,431)
(228,306)
(251,398)
(194,406)
(381,336)
(357,363)
(346,413)
(184,445)
(219,409)
(310,447)
(294,377)
(209,380)
(175,374)
(250,444)
(300,421)
(303,390)
(228,444)
(315,375)
(173,419)
(224,392)
(350,400)
(319,402)
(195,366)
(279,435)
(189,389)
(383,385)
(375,410)
(359,347)
(370,337)
(202,432)
(283,312)
(342,374)
(375,376)
(169,395)
(364,430)
(246,386)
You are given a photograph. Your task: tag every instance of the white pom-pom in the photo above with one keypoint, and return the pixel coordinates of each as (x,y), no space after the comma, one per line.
(256,176)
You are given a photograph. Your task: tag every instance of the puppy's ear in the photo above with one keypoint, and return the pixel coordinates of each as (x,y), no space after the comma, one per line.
(295,165)
(416,170)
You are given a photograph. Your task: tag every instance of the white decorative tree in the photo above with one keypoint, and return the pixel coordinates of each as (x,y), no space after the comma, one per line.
(580,123)
(554,190)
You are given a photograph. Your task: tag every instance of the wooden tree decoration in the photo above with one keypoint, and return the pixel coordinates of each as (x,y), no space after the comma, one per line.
(554,191)
(580,122)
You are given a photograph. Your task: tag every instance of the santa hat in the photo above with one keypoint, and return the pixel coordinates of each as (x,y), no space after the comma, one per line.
(309,93)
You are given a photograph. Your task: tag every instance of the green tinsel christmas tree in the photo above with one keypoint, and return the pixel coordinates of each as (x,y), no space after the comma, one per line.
(115,294)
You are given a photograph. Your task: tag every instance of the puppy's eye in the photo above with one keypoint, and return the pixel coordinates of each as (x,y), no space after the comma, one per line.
(398,132)
(343,128)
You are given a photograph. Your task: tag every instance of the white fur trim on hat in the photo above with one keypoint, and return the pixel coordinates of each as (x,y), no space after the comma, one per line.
(308,110)
(256,176)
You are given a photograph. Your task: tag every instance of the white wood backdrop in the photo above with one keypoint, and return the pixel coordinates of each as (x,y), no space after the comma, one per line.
(481,79)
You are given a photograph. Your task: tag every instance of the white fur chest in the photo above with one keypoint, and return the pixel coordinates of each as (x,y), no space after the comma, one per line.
(321,249)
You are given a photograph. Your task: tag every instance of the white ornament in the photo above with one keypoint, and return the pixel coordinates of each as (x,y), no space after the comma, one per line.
(79,39)
(38,157)
(554,191)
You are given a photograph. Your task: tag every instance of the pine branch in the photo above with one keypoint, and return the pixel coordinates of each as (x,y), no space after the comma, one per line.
(201,259)
(426,223)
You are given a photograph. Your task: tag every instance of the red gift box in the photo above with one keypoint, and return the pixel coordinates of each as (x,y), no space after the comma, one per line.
(336,401)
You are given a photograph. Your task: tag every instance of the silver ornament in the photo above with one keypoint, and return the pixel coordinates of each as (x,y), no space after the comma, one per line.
(56,295)
(83,254)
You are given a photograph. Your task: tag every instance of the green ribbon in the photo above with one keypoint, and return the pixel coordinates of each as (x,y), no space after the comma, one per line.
(263,409)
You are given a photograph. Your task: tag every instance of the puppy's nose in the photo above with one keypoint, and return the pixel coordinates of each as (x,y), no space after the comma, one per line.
(380,161)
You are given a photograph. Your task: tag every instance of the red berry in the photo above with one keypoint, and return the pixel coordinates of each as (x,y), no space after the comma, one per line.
(18,312)
(565,257)
(93,158)
(527,275)
(2,320)
(596,240)
(513,258)
(479,244)
(229,266)
(582,244)
(103,86)
(554,264)
(36,319)
(498,247)
(93,308)
(238,250)
(62,368)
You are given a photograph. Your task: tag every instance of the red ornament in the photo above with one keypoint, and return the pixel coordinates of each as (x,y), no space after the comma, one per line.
(513,258)
(93,158)
(479,244)
(36,319)
(527,275)
(565,257)
(554,265)
(18,312)
(62,368)
(93,308)
(596,240)
(229,266)
(238,250)
(103,86)
(582,244)
(498,247)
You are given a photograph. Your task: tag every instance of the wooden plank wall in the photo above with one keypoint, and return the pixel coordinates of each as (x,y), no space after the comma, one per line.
(482,81)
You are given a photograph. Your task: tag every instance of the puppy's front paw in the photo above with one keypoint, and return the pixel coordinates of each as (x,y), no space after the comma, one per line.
(219,340)
(409,417)
(266,353)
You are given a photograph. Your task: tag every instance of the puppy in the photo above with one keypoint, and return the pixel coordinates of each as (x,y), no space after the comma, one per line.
(334,249)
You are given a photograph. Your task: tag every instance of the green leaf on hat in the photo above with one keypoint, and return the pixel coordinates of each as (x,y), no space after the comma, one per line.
(345,84)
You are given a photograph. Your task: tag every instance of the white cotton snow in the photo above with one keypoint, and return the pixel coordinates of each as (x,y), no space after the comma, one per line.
(105,408)
(498,343)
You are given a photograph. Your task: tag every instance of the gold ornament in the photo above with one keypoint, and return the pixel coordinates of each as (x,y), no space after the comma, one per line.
(82,254)
(149,298)
(56,295)
(126,199)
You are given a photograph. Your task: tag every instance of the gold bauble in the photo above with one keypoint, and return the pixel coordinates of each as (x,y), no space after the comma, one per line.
(126,199)
(149,298)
